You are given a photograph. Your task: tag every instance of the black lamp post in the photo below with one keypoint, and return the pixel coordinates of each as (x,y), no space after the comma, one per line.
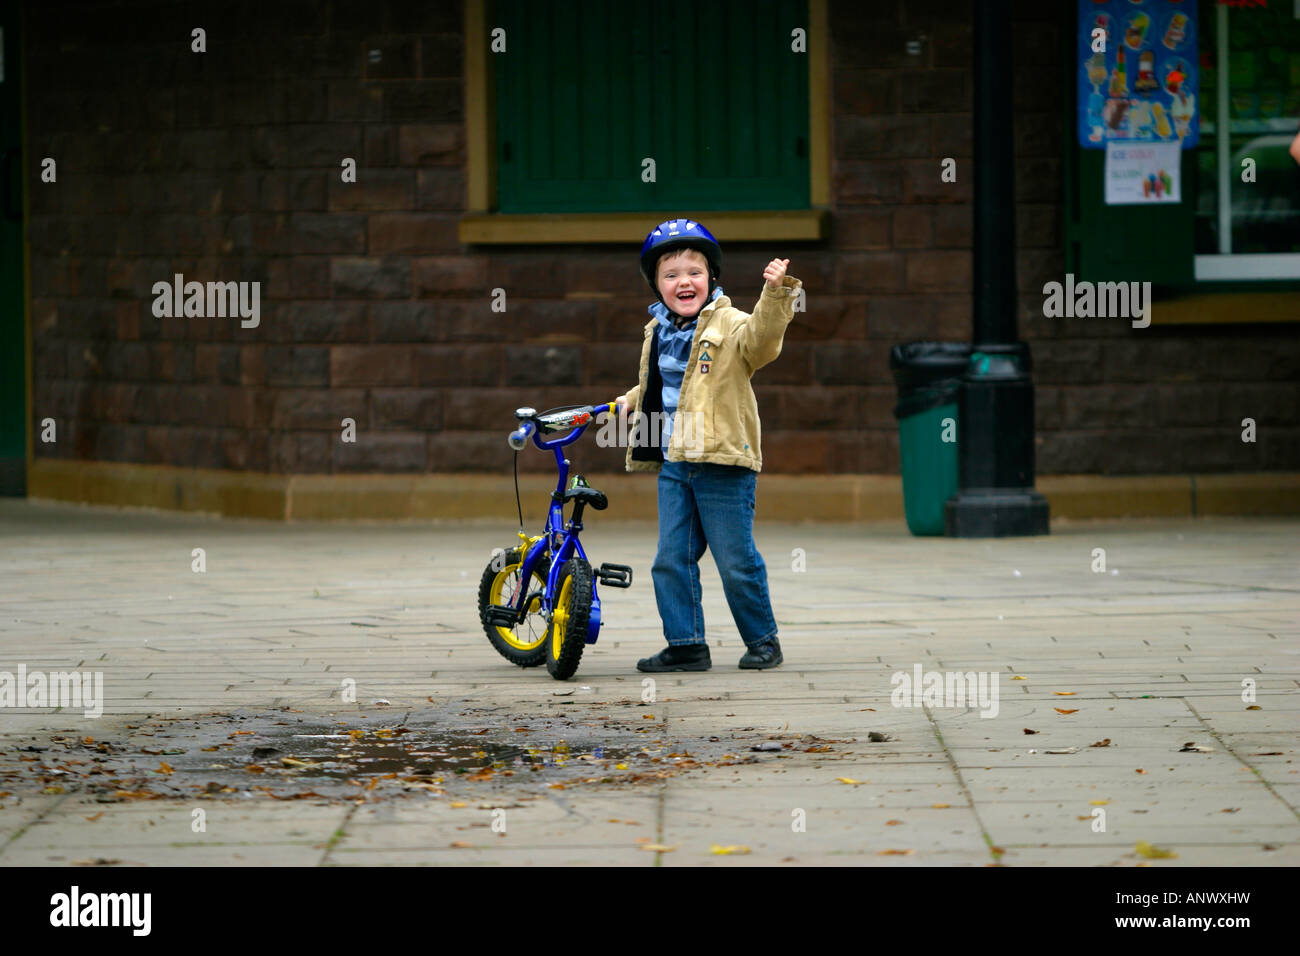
(996,495)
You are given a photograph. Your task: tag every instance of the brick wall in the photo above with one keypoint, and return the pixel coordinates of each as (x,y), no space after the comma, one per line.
(225,166)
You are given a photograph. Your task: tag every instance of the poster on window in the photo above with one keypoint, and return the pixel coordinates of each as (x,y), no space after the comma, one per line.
(1137,68)
(1142,173)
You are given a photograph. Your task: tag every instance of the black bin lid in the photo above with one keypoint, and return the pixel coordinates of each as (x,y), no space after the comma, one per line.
(920,363)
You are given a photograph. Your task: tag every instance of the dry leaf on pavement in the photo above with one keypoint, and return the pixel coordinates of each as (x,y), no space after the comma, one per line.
(1145,849)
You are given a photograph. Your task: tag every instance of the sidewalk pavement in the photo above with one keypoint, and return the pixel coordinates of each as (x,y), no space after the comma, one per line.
(205,673)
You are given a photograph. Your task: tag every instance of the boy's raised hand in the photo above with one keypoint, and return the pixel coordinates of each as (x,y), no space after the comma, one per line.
(775,272)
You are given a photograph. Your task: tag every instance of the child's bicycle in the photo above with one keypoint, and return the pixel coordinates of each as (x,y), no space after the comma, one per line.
(538,601)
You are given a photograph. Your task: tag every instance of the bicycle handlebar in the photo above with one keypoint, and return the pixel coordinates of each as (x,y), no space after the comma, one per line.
(579,417)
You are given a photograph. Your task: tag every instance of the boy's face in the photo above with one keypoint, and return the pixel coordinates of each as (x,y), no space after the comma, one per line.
(684,281)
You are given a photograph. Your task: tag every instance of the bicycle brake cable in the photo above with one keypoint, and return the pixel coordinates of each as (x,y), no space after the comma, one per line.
(518,506)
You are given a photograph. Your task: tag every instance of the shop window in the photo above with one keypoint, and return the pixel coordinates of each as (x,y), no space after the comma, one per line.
(1250,113)
(1225,231)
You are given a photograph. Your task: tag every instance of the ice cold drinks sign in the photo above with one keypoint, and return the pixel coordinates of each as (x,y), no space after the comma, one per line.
(1142,173)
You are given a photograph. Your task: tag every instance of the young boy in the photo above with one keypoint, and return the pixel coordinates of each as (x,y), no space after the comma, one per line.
(696,424)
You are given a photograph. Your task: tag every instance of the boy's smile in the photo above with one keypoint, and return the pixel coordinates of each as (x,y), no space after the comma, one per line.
(684,282)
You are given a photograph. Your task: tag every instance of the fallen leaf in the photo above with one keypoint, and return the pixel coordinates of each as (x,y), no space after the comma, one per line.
(356,734)
(1153,852)
(658,847)
(940,806)
(1266,753)
(895,853)
(893,823)
(164,767)
(1028,731)
(849,780)
(557,786)
(1063,750)
(1063,693)
(1018,677)
(817,750)
(1191,747)
(295,762)
(620,766)
(461,844)
(876,737)
(1101,743)
(96,816)
(1230,809)
(1139,770)
(53,790)
(728,850)
(1254,707)
(457,805)
(1098,803)
(1086,817)
(1062,710)
(997,850)
(641,840)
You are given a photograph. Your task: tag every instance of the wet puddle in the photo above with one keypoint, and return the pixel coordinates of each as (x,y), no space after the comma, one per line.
(406,751)
(432,753)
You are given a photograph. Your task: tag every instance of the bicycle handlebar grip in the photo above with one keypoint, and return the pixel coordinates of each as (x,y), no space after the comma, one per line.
(519,437)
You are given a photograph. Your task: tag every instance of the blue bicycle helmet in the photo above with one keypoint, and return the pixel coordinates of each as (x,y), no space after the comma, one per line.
(680,234)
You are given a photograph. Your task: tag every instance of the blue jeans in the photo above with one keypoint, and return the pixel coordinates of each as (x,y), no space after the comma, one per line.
(706,505)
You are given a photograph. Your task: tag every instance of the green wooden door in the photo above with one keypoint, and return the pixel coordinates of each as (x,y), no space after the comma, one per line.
(13,335)
(712,92)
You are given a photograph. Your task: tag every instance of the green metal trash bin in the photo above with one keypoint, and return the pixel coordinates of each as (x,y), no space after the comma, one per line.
(928,376)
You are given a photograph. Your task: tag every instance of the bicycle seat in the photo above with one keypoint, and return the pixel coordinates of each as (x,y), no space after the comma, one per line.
(590,496)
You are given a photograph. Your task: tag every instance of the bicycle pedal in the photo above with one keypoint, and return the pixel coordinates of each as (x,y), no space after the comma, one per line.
(498,615)
(615,575)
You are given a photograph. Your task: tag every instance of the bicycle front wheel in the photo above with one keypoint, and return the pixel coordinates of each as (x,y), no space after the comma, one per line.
(525,643)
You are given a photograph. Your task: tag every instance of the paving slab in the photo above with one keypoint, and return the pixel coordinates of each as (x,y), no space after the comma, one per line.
(372,628)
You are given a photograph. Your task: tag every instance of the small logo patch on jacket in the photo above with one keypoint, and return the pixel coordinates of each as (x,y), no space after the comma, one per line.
(704,368)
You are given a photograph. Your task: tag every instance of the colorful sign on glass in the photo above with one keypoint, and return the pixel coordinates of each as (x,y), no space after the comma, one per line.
(1138,77)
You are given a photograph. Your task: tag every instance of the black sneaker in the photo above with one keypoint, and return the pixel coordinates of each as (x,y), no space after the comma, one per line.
(680,657)
(762,656)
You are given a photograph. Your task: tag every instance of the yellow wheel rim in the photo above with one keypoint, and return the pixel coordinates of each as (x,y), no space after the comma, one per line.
(499,596)
(560,620)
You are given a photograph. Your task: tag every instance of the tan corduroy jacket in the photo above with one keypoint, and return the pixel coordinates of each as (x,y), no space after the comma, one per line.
(717,413)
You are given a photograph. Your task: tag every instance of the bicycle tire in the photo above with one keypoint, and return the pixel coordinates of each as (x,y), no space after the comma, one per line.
(493,587)
(567,634)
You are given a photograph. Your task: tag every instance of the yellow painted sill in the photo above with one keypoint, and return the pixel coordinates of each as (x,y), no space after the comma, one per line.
(793,225)
(1227,307)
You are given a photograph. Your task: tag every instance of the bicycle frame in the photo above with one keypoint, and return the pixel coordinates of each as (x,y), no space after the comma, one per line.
(561,540)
